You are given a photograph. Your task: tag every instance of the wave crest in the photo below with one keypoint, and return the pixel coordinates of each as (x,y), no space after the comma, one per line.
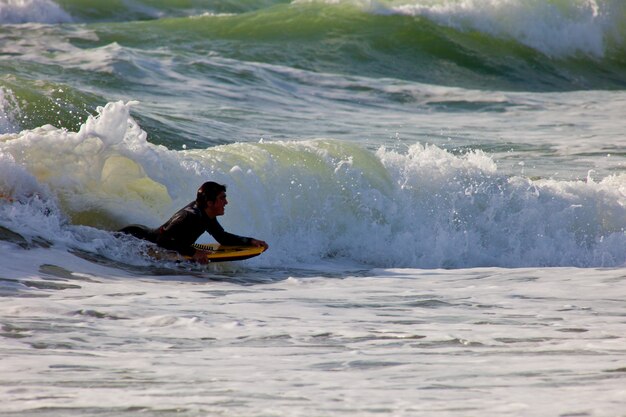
(425,207)
(555,29)
(32,11)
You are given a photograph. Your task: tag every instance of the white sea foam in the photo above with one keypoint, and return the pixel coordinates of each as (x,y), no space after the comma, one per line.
(424,207)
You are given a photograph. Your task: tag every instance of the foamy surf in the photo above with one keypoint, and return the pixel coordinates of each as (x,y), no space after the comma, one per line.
(425,207)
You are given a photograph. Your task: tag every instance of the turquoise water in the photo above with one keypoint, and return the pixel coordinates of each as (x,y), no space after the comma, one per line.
(442,184)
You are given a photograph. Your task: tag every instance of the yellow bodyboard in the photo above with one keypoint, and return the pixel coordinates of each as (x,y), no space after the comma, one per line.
(220,253)
(214,252)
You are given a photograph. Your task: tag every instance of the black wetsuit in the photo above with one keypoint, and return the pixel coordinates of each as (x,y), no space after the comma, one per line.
(183,229)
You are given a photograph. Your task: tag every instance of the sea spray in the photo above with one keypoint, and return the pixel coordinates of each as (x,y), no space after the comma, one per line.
(88,171)
(32,11)
(461,209)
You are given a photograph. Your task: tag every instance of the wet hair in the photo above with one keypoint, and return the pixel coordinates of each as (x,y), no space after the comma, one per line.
(209,192)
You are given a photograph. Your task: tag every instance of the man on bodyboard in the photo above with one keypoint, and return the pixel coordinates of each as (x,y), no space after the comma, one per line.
(181,231)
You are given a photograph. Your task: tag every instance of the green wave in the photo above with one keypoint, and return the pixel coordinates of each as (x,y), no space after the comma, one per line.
(33,103)
(346,39)
(130,10)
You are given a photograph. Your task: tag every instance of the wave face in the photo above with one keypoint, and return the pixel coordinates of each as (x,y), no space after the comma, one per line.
(425,208)
(513,44)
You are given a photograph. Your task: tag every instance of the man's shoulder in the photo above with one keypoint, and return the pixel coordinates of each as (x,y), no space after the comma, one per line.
(189,212)
(192,208)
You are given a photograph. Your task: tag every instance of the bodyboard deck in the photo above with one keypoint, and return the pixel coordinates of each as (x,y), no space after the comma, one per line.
(220,253)
(214,252)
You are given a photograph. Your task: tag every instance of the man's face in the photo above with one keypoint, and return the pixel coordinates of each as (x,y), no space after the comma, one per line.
(216,208)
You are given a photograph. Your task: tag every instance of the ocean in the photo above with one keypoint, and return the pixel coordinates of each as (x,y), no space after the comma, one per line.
(442,185)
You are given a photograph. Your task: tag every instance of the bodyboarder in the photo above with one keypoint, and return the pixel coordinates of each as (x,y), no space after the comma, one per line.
(181,231)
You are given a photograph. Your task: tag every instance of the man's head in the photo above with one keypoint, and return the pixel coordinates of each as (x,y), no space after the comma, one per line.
(211,198)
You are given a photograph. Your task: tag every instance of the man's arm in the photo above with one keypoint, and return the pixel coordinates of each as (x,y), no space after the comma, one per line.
(224,238)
